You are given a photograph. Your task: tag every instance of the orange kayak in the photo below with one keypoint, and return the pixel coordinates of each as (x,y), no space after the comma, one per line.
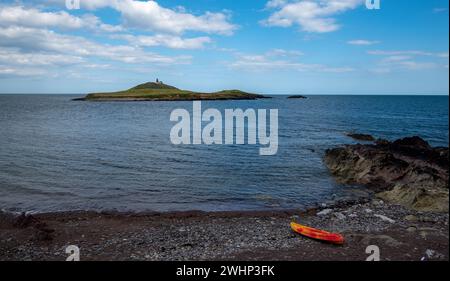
(318,234)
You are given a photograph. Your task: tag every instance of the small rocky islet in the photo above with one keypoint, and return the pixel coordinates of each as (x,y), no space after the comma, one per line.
(297,97)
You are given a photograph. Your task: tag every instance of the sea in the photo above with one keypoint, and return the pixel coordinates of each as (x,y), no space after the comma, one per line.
(62,155)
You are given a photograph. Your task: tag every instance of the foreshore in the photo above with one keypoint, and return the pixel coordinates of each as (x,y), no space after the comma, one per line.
(411,224)
(400,234)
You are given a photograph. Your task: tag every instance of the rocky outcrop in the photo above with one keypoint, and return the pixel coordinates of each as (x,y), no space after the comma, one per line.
(408,171)
(362,137)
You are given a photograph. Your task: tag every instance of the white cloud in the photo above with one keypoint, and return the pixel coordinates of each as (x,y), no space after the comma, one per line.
(33,39)
(97,66)
(414,65)
(275,3)
(361,42)
(284,53)
(31,17)
(310,15)
(149,15)
(94,23)
(13,56)
(14,62)
(54,45)
(396,58)
(277,60)
(406,60)
(440,10)
(400,53)
(170,41)
(96,4)
(19,16)
(408,53)
(85,4)
(6,70)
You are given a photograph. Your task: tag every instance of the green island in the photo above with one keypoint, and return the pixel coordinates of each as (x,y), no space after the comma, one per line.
(158,91)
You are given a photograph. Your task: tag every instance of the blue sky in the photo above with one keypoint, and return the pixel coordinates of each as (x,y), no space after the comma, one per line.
(270,47)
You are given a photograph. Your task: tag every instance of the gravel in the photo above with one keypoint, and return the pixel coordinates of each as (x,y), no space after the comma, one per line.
(402,234)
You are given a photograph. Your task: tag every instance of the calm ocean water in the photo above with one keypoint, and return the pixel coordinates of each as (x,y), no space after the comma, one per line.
(56,154)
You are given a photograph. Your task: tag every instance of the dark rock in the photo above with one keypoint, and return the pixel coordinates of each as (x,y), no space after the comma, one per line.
(382,142)
(412,142)
(362,137)
(297,97)
(408,171)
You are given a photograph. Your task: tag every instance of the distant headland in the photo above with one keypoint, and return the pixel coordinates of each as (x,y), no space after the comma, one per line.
(158,91)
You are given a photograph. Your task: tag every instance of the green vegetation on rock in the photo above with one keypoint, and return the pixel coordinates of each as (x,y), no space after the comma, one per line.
(158,91)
